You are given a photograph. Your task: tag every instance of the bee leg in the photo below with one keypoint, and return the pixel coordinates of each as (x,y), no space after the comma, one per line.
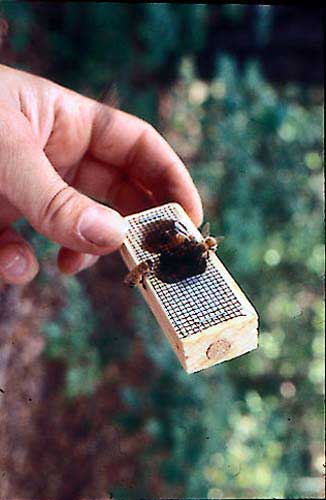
(128,281)
(145,275)
(142,282)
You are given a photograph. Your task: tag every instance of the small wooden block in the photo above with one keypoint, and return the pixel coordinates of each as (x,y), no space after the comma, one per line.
(206,318)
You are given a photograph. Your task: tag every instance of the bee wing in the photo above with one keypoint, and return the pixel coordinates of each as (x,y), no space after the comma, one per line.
(205,230)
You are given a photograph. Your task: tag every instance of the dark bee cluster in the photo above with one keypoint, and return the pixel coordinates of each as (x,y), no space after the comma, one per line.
(182,262)
(180,255)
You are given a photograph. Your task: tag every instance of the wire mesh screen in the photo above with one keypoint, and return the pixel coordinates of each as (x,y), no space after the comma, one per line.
(192,304)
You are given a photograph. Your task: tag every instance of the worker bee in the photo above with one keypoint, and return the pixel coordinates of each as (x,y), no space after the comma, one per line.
(170,234)
(139,273)
(209,243)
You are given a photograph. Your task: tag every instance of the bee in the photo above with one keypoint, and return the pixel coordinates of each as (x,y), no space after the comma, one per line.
(139,273)
(170,234)
(209,243)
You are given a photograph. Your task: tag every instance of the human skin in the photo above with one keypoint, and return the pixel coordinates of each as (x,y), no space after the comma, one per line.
(58,149)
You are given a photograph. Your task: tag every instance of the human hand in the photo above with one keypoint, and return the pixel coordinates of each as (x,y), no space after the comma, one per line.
(55,145)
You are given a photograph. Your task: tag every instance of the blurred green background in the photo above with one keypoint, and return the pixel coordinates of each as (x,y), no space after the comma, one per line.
(233,95)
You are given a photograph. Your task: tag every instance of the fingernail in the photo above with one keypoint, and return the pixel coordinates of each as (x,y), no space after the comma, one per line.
(102,227)
(13,262)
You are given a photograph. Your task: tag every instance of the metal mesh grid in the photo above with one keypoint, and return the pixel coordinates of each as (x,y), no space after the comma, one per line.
(195,303)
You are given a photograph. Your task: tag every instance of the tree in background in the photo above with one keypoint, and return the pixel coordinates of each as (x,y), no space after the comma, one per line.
(110,409)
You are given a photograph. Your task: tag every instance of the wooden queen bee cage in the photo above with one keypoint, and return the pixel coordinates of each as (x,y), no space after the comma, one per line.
(206,318)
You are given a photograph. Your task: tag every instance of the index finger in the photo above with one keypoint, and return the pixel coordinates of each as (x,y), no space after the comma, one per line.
(141,154)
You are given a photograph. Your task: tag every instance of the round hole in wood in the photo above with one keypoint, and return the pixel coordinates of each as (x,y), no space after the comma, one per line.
(218,349)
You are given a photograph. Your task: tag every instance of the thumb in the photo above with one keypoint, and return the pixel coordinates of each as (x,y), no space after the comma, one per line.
(53,208)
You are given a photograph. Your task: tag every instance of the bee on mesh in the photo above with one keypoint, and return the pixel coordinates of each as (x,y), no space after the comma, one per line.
(139,273)
(165,235)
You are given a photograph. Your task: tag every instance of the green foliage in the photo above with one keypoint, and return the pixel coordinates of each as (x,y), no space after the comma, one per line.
(241,430)
(139,47)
